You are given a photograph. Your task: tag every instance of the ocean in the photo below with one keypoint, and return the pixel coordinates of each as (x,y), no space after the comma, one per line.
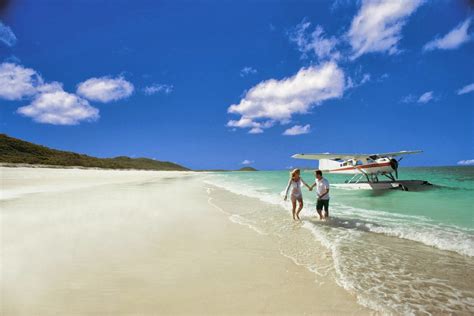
(398,252)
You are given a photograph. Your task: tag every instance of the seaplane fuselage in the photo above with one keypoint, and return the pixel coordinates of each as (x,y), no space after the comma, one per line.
(383,165)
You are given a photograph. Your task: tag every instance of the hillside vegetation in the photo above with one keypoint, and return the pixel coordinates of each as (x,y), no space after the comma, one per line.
(13,150)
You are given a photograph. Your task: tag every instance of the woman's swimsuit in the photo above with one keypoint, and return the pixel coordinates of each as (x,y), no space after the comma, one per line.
(295,189)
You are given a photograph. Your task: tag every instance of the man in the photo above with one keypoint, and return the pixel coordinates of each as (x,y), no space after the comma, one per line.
(322,192)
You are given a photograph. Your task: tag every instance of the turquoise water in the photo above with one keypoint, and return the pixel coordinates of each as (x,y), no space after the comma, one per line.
(450,200)
(400,252)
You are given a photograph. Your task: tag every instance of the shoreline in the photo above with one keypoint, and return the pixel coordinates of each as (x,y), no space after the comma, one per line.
(133,245)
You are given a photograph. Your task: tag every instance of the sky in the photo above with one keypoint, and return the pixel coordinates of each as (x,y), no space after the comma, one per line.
(226,84)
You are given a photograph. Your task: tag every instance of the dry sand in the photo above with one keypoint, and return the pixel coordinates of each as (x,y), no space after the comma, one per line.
(98,242)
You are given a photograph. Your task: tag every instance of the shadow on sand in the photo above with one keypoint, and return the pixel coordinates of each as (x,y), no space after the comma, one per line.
(341,222)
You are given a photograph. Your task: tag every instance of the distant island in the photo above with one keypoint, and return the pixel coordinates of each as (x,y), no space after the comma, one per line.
(247,169)
(17,151)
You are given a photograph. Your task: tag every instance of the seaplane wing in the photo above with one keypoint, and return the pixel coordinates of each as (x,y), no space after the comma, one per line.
(328,156)
(399,153)
(353,156)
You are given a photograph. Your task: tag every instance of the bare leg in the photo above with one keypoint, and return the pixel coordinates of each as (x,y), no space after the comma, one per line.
(293,203)
(326,212)
(299,208)
(320,214)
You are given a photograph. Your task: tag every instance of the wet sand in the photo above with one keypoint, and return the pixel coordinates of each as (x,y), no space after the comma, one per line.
(83,242)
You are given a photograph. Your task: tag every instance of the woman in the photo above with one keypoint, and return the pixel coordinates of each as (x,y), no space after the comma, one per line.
(296,195)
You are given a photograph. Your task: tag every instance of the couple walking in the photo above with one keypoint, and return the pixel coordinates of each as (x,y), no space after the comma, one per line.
(322,192)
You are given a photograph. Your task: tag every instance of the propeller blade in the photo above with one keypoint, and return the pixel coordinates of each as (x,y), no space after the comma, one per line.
(394,165)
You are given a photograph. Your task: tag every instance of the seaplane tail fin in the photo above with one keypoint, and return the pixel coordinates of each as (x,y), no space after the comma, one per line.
(328,164)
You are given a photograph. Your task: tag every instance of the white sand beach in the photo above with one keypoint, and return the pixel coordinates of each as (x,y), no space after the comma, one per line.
(109,242)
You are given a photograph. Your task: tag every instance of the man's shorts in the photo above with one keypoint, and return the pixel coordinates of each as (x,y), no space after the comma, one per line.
(322,203)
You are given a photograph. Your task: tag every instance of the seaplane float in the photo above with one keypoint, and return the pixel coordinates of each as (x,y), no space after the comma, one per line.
(367,170)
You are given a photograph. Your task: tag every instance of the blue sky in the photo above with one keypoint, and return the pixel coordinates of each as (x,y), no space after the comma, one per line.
(213,84)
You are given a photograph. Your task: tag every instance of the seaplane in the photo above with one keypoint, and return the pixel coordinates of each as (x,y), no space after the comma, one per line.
(368,170)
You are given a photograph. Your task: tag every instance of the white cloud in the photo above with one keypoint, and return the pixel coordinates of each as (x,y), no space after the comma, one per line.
(299,37)
(247,162)
(316,42)
(256,130)
(105,89)
(297,130)
(247,70)
(157,88)
(6,35)
(50,87)
(49,103)
(55,106)
(426,97)
(336,4)
(255,127)
(378,24)
(352,84)
(274,100)
(324,47)
(453,39)
(409,99)
(466,89)
(469,162)
(365,78)
(18,82)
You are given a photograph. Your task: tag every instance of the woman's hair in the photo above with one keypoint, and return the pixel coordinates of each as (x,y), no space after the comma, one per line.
(293,172)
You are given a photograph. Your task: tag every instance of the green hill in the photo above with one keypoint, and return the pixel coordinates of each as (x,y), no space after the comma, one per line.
(247,169)
(13,150)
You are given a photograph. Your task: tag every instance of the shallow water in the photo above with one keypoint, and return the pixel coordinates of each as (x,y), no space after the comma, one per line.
(400,252)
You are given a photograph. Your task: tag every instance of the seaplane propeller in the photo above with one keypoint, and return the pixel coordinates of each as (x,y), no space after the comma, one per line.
(394,165)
